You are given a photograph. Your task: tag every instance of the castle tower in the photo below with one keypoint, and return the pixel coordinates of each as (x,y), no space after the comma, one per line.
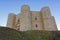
(48,20)
(11,20)
(25,18)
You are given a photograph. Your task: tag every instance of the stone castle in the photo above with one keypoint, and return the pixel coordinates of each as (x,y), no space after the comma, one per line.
(32,20)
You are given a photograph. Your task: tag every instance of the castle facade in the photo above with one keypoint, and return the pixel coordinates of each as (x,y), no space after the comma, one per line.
(32,20)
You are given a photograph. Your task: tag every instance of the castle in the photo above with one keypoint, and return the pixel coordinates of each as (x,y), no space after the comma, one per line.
(32,20)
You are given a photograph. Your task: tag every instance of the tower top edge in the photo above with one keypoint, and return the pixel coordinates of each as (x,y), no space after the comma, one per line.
(11,14)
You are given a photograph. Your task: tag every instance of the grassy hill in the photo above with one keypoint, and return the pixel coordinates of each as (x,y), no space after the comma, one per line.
(11,34)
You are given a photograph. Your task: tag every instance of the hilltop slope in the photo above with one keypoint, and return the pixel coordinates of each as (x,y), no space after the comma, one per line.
(11,34)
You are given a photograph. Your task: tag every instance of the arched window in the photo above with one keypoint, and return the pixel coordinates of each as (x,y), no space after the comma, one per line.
(18,20)
(35,18)
(36,25)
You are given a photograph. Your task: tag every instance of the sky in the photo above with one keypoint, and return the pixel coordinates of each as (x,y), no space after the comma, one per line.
(14,6)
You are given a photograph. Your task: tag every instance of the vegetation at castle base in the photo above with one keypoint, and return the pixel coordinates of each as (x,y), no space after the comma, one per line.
(11,34)
(36,35)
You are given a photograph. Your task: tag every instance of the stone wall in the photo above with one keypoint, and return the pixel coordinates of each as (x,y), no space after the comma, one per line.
(32,20)
(36,21)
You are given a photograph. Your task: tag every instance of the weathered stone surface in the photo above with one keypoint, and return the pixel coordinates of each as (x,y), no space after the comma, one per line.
(32,20)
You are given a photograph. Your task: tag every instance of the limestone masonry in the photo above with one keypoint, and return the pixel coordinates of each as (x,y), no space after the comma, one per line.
(32,20)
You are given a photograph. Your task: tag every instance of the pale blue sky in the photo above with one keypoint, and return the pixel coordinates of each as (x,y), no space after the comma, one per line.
(14,6)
